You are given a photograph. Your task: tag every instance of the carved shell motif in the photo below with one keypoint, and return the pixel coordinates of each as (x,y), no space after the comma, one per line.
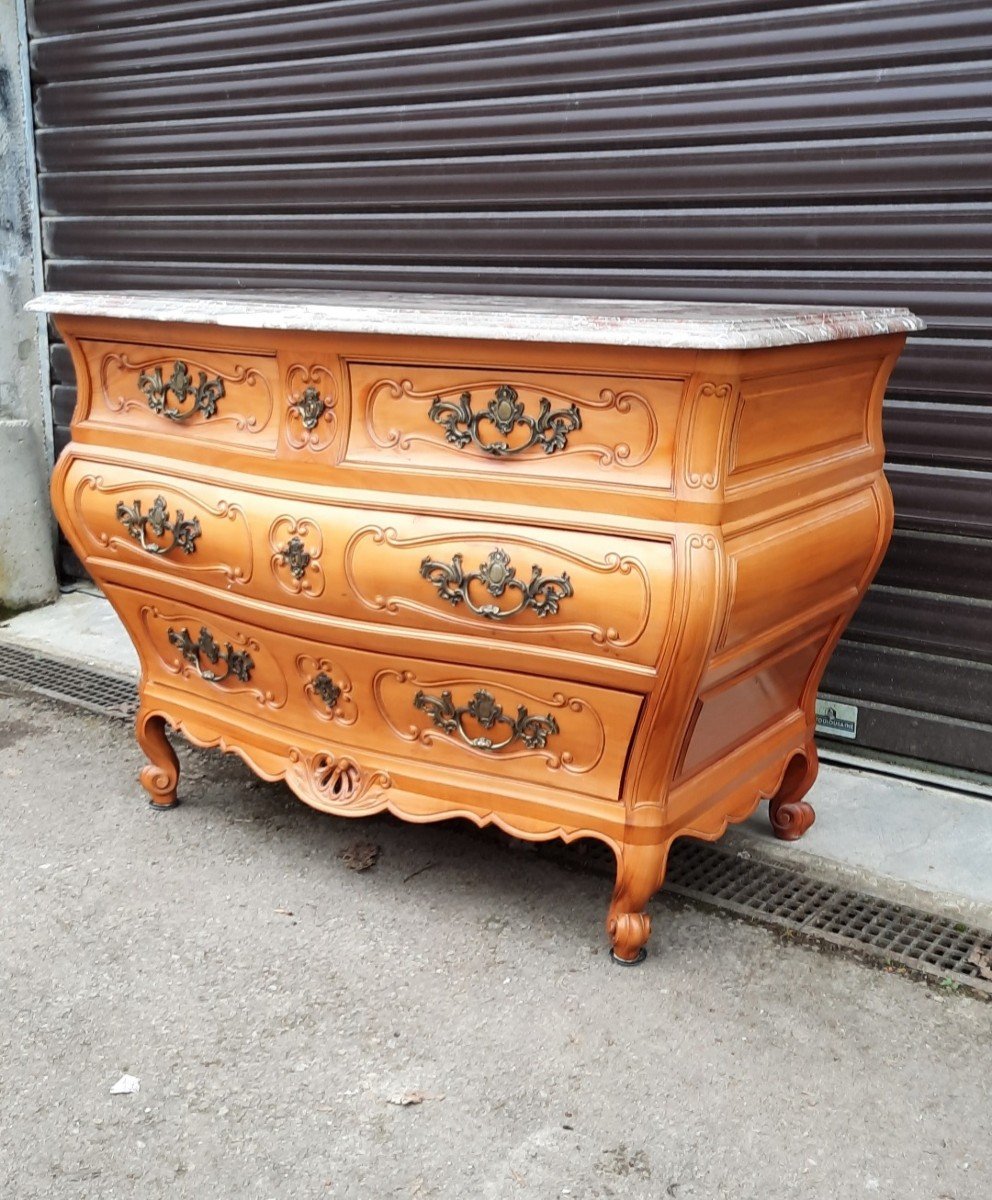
(334,783)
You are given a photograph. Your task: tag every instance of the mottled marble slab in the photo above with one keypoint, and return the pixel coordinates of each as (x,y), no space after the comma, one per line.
(506,318)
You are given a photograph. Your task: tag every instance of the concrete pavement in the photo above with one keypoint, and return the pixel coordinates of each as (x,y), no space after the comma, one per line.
(273,1002)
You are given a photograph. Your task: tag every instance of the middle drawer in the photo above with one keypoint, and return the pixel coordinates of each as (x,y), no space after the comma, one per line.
(561,590)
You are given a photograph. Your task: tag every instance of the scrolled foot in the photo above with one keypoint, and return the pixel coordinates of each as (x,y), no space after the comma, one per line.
(790,815)
(628,932)
(640,872)
(160,776)
(791,820)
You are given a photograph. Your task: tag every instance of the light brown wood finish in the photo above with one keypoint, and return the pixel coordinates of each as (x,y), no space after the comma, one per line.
(708,525)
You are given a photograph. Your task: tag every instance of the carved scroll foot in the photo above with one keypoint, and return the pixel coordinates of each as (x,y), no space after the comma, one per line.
(640,872)
(160,777)
(790,815)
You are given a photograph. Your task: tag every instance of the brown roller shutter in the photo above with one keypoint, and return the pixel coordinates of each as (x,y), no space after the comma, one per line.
(697,149)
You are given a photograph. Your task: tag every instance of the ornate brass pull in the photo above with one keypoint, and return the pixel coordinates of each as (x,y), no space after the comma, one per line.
(533,731)
(326,689)
(295,557)
(505,412)
(310,408)
(542,593)
(205,394)
(238,663)
(183,531)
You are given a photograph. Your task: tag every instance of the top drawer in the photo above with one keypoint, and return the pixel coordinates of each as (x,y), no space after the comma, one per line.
(513,423)
(214,397)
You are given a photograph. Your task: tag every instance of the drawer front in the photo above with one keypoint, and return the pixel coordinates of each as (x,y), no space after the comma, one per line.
(554,590)
(514,423)
(544,731)
(204,396)
(189,529)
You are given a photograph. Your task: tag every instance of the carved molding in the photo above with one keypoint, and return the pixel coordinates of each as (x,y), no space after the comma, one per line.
(248,376)
(412,806)
(703,456)
(344,710)
(620,454)
(264,669)
(240,572)
(610,564)
(311,413)
(335,784)
(589,745)
(297,545)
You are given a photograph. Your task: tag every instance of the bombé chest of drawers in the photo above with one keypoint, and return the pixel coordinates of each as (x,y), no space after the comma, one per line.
(567,567)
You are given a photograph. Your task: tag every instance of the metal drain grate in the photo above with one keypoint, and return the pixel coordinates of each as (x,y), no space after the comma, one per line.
(925,943)
(85,687)
(950,951)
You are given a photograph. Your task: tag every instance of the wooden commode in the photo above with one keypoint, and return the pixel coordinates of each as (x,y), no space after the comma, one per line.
(569,567)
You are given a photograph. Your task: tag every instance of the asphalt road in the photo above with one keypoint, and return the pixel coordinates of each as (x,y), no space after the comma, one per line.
(274,1002)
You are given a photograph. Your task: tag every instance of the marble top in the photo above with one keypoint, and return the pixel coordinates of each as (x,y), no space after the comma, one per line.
(699,326)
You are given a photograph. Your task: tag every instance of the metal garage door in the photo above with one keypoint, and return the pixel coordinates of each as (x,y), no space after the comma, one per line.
(703,149)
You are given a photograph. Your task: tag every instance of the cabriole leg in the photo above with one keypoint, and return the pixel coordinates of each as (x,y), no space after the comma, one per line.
(640,873)
(160,776)
(789,813)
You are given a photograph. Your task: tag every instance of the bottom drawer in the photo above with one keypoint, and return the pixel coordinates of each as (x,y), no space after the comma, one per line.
(504,724)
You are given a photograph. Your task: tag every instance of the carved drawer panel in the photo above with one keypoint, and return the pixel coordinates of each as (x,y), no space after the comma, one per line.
(198,395)
(553,589)
(508,725)
(513,423)
(556,590)
(189,529)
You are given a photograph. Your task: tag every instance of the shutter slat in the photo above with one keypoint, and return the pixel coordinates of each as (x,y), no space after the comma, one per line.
(918,167)
(938,434)
(916,100)
(944,625)
(960,236)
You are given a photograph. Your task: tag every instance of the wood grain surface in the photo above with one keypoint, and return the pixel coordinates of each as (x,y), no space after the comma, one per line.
(568,590)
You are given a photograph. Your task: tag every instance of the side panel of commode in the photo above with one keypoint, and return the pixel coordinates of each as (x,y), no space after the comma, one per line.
(807,514)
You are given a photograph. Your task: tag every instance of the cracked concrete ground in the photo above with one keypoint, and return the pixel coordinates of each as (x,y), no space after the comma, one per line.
(271,1001)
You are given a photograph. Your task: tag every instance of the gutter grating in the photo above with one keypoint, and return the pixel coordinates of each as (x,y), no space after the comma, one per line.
(939,948)
(96,690)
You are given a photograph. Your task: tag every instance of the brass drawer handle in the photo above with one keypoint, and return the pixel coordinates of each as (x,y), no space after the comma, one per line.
(505,412)
(183,531)
(310,408)
(294,556)
(543,593)
(533,731)
(205,393)
(238,663)
(326,689)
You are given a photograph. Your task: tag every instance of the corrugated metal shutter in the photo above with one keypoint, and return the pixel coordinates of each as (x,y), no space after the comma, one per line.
(705,149)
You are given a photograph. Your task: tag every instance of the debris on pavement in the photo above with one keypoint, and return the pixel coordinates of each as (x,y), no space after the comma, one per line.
(360,856)
(405,1099)
(127,1085)
(419,871)
(981,959)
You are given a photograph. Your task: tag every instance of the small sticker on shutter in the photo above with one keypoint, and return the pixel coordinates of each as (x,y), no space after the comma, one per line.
(836,720)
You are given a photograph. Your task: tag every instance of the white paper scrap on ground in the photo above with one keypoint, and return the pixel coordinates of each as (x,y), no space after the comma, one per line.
(127,1085)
